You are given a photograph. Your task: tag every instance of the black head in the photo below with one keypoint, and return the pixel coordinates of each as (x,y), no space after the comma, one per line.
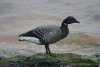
(70,20)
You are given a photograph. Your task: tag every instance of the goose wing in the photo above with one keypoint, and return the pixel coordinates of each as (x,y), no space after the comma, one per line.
(39,32)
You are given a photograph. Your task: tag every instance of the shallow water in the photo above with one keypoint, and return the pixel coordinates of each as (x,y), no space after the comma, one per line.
(23,15)
(18,16)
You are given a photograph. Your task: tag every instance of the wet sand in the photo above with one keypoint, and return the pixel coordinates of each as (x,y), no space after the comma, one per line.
(10,46)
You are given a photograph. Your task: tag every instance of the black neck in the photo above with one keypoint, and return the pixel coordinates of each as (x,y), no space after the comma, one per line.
(64,26)
(64,29)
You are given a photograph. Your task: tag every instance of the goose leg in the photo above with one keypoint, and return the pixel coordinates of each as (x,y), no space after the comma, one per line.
(46,49)
(49,50)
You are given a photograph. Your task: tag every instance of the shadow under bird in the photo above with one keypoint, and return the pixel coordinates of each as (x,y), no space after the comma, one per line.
(45,35)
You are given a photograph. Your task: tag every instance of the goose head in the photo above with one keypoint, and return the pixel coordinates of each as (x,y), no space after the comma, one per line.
(69,20)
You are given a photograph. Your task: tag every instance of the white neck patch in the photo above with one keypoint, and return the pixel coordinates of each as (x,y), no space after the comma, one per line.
(65,24)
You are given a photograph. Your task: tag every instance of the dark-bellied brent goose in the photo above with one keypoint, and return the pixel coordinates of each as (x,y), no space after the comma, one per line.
(48,34)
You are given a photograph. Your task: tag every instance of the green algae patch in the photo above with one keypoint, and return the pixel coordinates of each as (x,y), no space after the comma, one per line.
(61,59)
(4,60)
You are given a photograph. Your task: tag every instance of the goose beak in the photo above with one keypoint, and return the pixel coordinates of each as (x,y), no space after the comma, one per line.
(77,21)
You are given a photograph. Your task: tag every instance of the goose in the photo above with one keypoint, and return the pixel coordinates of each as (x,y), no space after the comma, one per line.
(48,34)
